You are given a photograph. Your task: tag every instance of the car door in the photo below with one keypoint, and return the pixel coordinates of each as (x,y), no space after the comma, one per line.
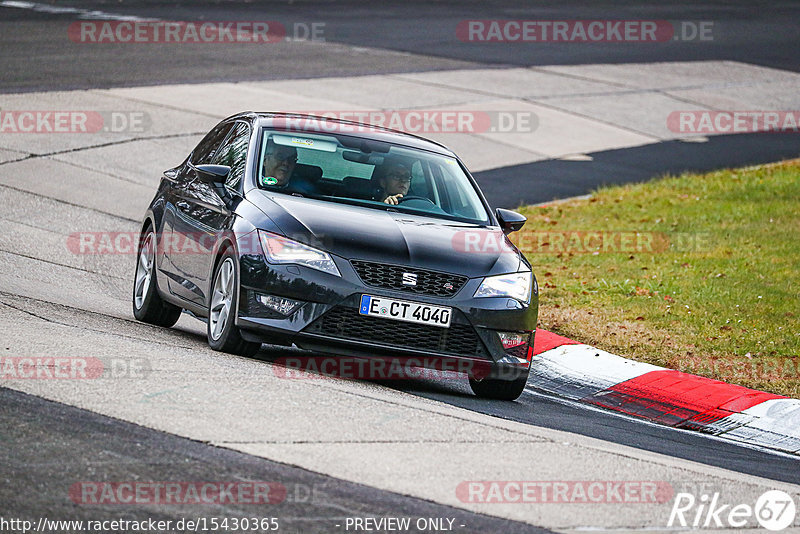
(201,214)
(176,181)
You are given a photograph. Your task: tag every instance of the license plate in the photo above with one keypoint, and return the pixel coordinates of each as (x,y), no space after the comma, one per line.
(403,310)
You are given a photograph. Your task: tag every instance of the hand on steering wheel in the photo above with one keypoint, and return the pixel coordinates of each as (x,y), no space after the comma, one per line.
(393,199)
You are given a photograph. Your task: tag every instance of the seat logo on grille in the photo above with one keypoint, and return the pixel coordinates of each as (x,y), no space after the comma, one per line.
(409,279)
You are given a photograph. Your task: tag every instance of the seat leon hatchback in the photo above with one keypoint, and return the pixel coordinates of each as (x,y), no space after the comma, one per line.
(339,238)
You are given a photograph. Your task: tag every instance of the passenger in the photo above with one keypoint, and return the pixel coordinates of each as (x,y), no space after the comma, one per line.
(394,181)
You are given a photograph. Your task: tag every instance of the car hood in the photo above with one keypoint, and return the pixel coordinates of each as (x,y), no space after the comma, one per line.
(355,232)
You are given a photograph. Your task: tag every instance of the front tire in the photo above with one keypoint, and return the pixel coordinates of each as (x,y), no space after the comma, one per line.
(222,332)
(498,389)
(148,306)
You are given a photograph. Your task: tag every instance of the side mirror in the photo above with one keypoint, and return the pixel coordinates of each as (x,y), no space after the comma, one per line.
(510,221)
(215,174)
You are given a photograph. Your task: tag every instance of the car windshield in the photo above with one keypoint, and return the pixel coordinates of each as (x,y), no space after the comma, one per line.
(376,174)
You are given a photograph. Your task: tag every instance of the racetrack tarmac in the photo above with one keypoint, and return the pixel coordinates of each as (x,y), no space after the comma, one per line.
(379,449)
(50,449)
(376,37)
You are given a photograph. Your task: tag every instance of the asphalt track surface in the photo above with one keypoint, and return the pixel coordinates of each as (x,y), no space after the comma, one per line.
(540,409)
(380,37)
(47,441)
(62,444)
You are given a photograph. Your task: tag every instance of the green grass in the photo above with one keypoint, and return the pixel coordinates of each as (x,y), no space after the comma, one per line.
(718,293)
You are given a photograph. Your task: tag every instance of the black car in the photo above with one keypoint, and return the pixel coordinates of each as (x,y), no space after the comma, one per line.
(341,238)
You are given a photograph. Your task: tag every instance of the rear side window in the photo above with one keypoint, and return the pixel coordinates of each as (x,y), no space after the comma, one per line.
(233,153)
(206,149)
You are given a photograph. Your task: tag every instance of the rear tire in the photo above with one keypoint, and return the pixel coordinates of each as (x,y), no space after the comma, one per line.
(497,389)
(148,306)
(222,332)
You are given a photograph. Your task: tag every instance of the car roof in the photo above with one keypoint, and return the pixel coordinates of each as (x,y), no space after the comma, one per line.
(316,124)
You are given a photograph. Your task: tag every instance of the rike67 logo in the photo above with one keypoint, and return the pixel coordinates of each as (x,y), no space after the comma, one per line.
(774,510)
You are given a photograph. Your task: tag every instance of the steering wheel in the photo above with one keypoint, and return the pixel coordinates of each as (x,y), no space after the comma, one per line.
(403,199)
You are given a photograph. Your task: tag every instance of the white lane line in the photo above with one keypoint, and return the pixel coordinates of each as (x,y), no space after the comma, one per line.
(61,10)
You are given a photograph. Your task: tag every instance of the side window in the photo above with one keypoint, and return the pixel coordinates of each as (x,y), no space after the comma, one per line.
(233,153)
(207,147)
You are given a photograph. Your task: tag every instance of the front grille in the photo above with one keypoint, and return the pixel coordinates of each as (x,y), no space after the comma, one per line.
(347,323)
(431,283)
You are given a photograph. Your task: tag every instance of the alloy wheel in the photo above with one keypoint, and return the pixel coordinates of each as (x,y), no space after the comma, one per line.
(221,298)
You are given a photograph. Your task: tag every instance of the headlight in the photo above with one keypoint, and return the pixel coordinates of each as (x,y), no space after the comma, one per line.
(279,249)
(514,285)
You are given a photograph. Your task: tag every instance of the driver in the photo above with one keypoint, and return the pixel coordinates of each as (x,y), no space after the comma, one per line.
(278,170)
(394,180)
(279,162)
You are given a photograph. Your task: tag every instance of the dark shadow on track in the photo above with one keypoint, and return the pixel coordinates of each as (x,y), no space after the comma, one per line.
(547,180)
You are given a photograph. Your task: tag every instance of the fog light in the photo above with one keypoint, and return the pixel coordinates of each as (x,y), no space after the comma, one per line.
(513,339)
(518,345)
(281,305)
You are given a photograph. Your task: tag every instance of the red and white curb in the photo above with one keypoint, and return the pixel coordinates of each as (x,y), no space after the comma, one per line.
(580,372)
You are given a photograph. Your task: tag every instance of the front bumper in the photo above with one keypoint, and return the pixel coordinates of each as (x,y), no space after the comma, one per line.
(327,319)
